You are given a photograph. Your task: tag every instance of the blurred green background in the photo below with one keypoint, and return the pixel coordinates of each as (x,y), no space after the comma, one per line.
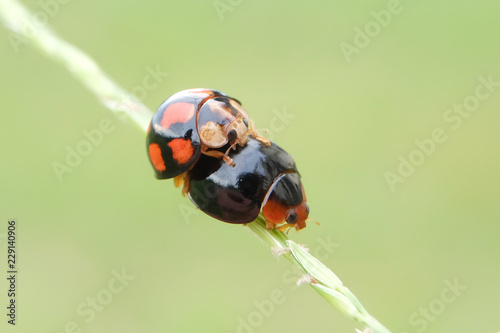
(398,248)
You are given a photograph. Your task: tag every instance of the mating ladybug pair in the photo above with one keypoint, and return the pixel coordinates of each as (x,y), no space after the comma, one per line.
(205,140)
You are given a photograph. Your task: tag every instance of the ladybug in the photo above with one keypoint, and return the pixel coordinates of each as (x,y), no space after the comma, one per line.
(195,122)
(264,179)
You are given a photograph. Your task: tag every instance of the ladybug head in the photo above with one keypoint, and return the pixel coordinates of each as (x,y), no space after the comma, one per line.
(297,216)
(239,129)
(285,205)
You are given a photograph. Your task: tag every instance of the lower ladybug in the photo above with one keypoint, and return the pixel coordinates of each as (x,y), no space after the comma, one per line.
(264,179)
(195,122)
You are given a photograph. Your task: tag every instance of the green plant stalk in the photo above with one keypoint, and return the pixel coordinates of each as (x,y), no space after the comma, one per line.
(26,30)
(320,277)
(22,24)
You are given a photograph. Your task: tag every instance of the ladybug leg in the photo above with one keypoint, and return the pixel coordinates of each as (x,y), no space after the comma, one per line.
(182,180)
(286,228)
(265,141)
(232,147)
(219,154)
(261,139)
(186,186)
(179,180)
(270,225)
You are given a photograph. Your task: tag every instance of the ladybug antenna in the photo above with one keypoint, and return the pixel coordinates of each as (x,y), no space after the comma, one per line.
(311,220)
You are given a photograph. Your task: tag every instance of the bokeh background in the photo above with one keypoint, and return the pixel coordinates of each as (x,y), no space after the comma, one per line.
(351,118)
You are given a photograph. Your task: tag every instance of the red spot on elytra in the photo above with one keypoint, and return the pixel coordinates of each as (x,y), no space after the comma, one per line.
(180,112)
(182,150)
(156,158)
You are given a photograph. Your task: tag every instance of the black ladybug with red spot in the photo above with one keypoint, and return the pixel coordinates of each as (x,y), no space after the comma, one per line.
(206,140)
(194,122)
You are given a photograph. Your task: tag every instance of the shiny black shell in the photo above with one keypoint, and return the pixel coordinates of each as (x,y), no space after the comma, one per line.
(236,194)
